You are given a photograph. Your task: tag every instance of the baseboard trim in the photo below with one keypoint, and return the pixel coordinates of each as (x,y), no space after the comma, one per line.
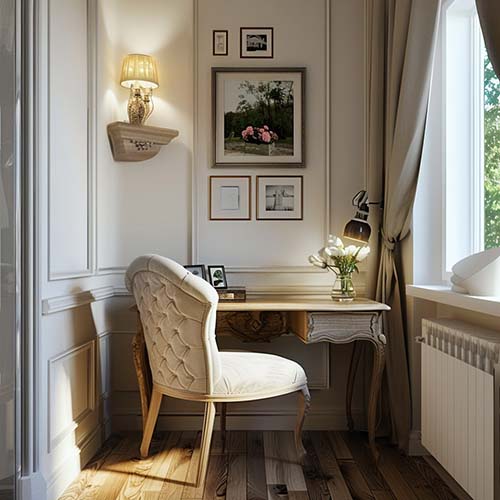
(415,448)
(73,463)
(32,486)
(334,421)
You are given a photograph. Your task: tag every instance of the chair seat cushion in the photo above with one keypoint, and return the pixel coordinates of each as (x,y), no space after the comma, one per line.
(256,375)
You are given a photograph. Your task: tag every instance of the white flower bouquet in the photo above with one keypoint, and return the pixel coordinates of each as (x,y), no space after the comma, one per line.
(342,261)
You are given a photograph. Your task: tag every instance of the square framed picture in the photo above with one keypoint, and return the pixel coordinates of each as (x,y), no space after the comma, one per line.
(229,197)
(217,276)
(280,197)
(258,117)
(220,42)
(257,43)
(198,270)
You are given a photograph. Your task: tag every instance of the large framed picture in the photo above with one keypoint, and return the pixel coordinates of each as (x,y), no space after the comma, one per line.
(229,197)
(256,43)
(279,197)
(258,117)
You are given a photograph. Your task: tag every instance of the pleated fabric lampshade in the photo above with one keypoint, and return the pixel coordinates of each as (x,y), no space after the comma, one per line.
(139,70)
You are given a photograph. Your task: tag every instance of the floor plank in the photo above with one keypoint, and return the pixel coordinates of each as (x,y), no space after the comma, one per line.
(336,484)
(179,466)
(237,466)
(361,454)
(256,469)
(282,465)
(256,466)
(358,488)
(314,474)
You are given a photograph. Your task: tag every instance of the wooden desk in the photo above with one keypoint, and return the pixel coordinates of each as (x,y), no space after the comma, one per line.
(312,320)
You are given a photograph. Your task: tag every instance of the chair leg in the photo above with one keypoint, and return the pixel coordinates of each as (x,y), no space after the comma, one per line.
(304,404)
(154,409)
(223,409)
(206,438)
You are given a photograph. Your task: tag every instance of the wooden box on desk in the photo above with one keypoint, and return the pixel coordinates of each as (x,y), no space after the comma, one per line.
(233,294)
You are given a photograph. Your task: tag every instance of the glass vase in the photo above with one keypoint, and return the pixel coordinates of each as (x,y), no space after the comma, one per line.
(343,288)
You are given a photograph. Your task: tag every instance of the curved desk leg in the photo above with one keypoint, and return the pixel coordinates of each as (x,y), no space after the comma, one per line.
(378,370)
(353,367)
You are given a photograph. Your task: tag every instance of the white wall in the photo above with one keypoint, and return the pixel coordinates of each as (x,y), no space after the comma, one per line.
(145,207)
(97,214)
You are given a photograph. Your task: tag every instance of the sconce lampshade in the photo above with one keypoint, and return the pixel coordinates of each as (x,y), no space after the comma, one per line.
(139,70)
(357,229)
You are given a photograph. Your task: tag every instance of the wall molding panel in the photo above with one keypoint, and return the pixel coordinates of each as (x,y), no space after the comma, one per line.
(74,373)
(77,299)
(62,149)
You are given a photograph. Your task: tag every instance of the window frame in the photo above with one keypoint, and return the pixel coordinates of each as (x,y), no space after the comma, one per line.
(473,163)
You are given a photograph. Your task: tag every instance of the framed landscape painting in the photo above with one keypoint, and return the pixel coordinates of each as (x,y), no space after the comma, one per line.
(258,117)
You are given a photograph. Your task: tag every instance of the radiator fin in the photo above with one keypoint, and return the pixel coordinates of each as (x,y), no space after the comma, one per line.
(458,403)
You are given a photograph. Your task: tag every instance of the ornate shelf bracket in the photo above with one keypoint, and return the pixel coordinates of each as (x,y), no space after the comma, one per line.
(137,142)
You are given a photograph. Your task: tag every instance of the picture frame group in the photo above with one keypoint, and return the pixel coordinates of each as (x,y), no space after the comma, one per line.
(216,275)
(278,197)
(255,43)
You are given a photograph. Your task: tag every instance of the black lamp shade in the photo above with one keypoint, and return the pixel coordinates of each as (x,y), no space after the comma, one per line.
(357,229)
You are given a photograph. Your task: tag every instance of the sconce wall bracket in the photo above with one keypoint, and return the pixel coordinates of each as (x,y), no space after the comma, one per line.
(137,142)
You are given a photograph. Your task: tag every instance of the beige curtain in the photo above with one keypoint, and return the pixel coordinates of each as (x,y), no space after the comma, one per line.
(402,36)
(489,16)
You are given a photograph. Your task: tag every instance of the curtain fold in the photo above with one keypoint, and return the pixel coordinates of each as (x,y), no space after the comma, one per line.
(489,17)
(399,68)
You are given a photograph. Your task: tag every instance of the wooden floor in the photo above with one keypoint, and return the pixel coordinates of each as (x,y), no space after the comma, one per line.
(255,465)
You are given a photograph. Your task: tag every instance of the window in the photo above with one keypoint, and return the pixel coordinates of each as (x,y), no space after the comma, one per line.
(491,129)
(471,139)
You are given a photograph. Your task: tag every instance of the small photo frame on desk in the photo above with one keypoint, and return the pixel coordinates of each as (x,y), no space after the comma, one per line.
(217,276)
(198,270)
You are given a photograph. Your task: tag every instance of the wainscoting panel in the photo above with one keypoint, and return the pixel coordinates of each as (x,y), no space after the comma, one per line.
(72,396)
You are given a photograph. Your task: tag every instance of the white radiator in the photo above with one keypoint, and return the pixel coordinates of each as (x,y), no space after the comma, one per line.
(460,403)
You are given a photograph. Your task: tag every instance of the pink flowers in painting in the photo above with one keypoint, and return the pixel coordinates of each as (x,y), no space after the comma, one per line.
(259,135)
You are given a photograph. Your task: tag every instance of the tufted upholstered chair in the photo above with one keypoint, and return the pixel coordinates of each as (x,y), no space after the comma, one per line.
(178,315)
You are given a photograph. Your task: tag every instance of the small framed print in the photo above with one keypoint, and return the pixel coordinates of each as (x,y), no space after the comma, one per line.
(257,43)
(229,197)
(198,270)
(217,276)
(220,42)
(279,197)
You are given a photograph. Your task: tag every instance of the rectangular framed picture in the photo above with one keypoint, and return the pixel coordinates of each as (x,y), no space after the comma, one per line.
(217,276)
(280,197)
(198,270)
(229,197)
(258,117)
(257,43)
(220,42)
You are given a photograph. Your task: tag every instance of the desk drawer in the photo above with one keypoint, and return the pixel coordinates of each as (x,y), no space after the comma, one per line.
(335,327)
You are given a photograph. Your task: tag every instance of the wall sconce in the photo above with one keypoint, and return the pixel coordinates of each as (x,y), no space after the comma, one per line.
(140,75)
(358,228)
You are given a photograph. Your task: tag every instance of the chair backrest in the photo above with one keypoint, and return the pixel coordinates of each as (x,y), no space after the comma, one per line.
(178,315)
